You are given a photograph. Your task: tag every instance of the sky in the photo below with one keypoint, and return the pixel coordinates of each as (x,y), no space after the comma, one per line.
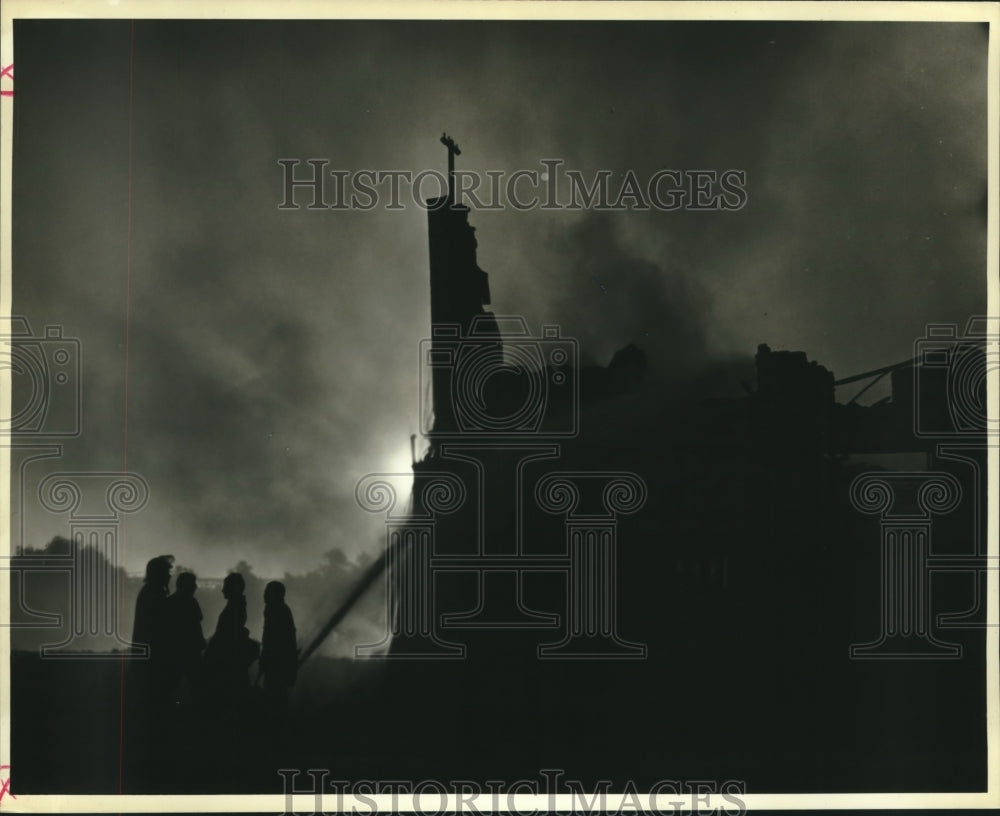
(270,358)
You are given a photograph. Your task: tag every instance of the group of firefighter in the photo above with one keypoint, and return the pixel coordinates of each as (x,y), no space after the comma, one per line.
(182,666)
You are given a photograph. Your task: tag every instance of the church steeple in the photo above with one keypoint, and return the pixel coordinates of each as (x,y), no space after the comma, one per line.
(453,151)
(459,288)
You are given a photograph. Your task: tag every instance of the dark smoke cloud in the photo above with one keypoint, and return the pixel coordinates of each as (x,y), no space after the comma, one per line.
(273,356)
(613,296)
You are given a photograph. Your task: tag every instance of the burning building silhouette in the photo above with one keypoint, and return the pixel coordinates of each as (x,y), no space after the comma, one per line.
(592,572)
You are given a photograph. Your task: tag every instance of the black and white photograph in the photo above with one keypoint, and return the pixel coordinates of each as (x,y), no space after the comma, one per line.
(512,407)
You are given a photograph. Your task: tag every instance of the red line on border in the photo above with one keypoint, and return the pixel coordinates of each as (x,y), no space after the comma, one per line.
(5,785)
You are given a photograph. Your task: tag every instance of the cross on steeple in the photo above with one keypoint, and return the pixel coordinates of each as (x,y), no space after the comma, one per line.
(453,151)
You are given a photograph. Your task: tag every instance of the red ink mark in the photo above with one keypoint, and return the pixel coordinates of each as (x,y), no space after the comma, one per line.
(7,71)
(5,784)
